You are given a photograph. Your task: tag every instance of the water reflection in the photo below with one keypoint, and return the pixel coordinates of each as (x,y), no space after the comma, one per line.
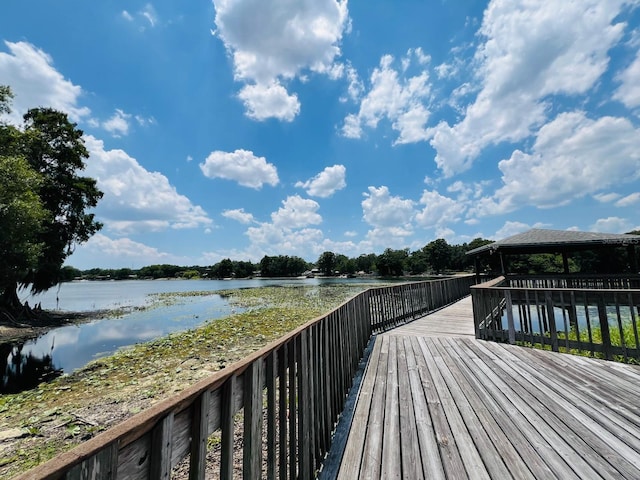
(68,348)
(23,371)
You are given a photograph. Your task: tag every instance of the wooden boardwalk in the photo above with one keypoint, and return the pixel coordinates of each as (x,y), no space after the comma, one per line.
(455,407)
(456,320)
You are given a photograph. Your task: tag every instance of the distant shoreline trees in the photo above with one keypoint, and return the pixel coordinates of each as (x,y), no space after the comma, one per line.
(435,258)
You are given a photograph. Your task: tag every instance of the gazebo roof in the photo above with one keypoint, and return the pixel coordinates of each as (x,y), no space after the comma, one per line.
(549,241)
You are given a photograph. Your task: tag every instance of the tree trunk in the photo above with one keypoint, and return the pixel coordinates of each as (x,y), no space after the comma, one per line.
(9,299)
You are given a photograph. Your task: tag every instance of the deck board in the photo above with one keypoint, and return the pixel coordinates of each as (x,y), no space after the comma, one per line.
(437,403)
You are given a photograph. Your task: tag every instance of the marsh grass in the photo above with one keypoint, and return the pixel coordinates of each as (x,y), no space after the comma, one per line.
(621,335)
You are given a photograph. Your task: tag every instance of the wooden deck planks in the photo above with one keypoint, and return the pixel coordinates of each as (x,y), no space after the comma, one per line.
(456,320)
(456,407)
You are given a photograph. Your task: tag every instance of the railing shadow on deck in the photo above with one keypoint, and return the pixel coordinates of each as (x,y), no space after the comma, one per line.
(584,314)
(290,395)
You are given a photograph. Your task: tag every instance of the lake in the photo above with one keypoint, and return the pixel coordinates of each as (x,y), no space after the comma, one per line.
(64,349)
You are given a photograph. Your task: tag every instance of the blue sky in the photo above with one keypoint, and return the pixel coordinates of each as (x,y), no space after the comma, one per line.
(244,128)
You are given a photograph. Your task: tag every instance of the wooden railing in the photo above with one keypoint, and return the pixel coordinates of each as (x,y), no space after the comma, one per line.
(579,314)
(289,396)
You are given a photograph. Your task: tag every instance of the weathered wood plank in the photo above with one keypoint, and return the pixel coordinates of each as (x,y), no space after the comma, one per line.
(161,445)
(409,442)
(200,436)
(373,442)
(468,451)
(352,456)
(453,320)
(228,412)
(500,441)
(271,415)
(430,461)
(252,444)
(449,453)
(593,433)
(102,466)
(478,431)
(391,460)
(530,418)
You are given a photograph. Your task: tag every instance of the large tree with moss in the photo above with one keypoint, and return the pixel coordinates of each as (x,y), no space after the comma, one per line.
(44,199)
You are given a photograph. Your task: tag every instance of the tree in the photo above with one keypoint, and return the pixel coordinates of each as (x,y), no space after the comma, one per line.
(327,263)
(345,265)
(243,269)
(21,218)
(417,262)
(438,254)
(53,148)
(282,266)
(366,263)
(392,262)
(222,269)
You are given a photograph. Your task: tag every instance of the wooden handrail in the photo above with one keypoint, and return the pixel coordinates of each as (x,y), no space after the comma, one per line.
(300,381)
(599,315)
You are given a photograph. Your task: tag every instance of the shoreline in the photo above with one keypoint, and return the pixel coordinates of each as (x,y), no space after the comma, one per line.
(23,332)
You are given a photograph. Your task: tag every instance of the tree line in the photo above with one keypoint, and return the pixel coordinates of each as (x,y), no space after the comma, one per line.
(435,258)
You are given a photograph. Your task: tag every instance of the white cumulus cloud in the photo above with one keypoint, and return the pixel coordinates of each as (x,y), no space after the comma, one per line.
(390,216)
(395,97)
(136,199)
(272,42)
(629,200)
(31,75)
(531,50)
(573,156)
(238,215)
(118,124)
(326,183)
(438,210)
(297,212)
(241,166)
(611,225)
(629,91)
(271,100)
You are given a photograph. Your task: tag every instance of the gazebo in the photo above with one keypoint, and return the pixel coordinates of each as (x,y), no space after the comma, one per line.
(557,242)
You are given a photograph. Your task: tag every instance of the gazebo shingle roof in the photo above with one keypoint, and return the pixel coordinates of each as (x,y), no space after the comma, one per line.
(541,240)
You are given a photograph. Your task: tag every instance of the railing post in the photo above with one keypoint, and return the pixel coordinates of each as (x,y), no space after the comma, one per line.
(199,436)
(252,393)
(604,328)
(552,320)
(161,447)
(510,324)
(226,421)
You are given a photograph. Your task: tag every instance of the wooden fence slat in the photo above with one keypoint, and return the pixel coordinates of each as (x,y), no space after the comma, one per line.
(282,411)
(293,410)
(252,444)
(200,436)
(271,415)
(160,467)
(226,443)
(102,466)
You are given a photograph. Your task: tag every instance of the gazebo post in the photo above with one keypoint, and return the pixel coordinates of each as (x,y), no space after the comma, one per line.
(565,262)
(633,258)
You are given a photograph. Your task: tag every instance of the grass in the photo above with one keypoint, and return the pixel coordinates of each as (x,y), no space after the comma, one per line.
(624,336)
(58,415)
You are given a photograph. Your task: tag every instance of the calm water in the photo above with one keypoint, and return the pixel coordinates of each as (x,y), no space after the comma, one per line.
(68,348)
